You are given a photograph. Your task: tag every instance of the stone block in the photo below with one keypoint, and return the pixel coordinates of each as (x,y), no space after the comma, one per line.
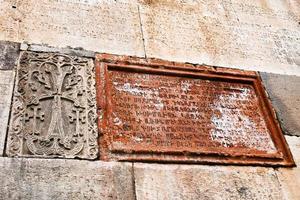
(9,21)
(290,177)
(43,179)
(284,92)
(96,25)
(257,35)
(9,53)
(155,181)
(6,90)
(54,107)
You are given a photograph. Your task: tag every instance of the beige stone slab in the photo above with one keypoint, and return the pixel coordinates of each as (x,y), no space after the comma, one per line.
(290,178)
(6,88)
(154,181)
(98,25)
(41,179)
(259,35)
(9,20)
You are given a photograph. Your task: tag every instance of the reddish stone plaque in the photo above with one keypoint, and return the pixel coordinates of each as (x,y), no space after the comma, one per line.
(152,110)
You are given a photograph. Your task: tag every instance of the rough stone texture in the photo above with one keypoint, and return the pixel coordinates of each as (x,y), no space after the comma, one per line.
(54,108)
(41,179)
(9,53)
(6,89)
(259,35)
(70,51)
(284,92)
(155,181)
(9,21)
(290,177)
(98,25)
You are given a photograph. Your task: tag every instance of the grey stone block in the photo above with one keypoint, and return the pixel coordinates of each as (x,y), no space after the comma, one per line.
(70,51)
(154,181)
(9,53)
(6,89)
(284,92)
(40,179)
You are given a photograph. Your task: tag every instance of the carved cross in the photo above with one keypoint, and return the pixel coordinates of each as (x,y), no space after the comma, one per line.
(34,113)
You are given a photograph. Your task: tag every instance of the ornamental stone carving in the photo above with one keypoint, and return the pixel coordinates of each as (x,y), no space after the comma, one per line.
(54,107)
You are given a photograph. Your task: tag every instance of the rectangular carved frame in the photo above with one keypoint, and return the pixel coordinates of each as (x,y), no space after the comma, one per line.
(105,62)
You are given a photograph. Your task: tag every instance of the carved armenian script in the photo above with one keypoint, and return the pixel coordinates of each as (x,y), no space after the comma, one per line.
(54,108)
(160,115)
(151,111)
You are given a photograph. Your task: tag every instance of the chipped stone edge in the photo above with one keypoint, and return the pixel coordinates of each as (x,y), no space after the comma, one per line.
(113,58)
(80,52)
(100,163)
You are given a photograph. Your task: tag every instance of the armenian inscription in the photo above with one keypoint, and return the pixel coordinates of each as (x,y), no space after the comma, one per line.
(185,114)
(54,108)
(158,112)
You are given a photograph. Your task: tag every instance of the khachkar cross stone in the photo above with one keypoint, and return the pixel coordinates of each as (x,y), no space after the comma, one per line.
(54,108)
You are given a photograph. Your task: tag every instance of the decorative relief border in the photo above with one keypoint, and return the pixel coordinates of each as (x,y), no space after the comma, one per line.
(54,107)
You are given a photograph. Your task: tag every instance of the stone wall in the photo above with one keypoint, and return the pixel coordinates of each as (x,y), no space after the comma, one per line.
(260,35)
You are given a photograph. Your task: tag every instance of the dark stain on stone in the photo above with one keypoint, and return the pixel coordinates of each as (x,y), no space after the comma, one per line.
(9,53)
(148,2)
(243,192)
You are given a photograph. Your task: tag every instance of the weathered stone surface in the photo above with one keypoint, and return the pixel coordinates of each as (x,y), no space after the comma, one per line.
(290,177)
(41,179)
(174,112)
(259,35)
(155,181)
(97,25)
(9,53)
(284,91)
(9,21)
(54,108)
(70,51)
(6,89)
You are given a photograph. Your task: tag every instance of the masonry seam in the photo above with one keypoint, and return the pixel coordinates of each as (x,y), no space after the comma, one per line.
(278,180)
(133,182)
(142,31)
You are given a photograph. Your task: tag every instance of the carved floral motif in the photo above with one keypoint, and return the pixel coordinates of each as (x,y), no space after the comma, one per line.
(54,108)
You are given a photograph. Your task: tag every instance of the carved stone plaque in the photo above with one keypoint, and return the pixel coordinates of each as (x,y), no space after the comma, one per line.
(54,107)
(152,110)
